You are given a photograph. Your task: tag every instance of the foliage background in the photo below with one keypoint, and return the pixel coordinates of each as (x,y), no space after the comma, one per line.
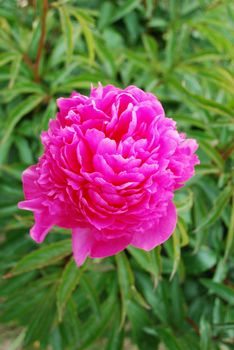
(179,296)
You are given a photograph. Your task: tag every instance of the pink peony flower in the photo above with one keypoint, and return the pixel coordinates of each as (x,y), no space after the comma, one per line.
(111,164)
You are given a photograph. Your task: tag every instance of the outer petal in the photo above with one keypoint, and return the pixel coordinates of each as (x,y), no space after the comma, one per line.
(102,249)
(85,243)
(81,244)
(29,177)
(43,224)
(31,204)
(157,234)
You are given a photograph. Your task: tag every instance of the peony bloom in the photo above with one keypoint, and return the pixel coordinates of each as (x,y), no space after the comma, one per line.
(111,164)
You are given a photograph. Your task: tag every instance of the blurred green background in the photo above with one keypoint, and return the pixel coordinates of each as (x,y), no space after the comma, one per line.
(179,296)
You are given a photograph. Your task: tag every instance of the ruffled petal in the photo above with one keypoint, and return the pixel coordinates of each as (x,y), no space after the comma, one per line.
(42,226)
(82,241)
(111,164)
(29,178)
(158,233)
(31,204)
(87,242)
(108,247)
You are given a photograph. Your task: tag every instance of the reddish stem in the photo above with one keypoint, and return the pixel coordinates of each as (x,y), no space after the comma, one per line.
(194,326)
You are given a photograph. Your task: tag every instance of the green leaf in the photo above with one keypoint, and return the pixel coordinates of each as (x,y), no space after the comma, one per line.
(206,169)
(128,6)
(7,57)
(125,279)
(189,120)
(106,10)
(41,319)
(106,56)
(15,115)
(166,336)
(148,261)
(183,233)
(23,87)
(138,318)
(4,150)
(24,150)
(141,257)
(87,33)
(230,235)
(139,298)
(156,264)
(151,47)
(224,326)
(212,153)
(97,327)
(177,304)
(69,281)
(49,113)
(45,256)
(83,81)
(67,29)
(205,334)
(176,253)
(220,271)
(170,51)
(127,285)
(116,336)
(220,77)
(202,261)
(13,170)
(209,105)
(91,295)
(217,209)
(184,202)
(15,67)
(224,292)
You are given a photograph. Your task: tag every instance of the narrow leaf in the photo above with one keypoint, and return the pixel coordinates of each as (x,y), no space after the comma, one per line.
(67,30)
(23,108)
(224,292)
(6,57)
(87,33)
(69,280)
(42,257)
(176,253)
(205,334)
(123,10)
(212,153)
(96,328)
(230,235)
(217,209)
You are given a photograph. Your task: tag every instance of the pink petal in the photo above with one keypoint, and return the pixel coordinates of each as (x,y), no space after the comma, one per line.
(87,242)
(31,204)
(41,227)
(102,249)
(29,177)
(82,241)
(157,234)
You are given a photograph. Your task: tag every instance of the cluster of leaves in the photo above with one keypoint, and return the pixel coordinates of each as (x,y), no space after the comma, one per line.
(180,295)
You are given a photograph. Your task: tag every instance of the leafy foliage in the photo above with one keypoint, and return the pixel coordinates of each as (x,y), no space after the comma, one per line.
(180,295)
